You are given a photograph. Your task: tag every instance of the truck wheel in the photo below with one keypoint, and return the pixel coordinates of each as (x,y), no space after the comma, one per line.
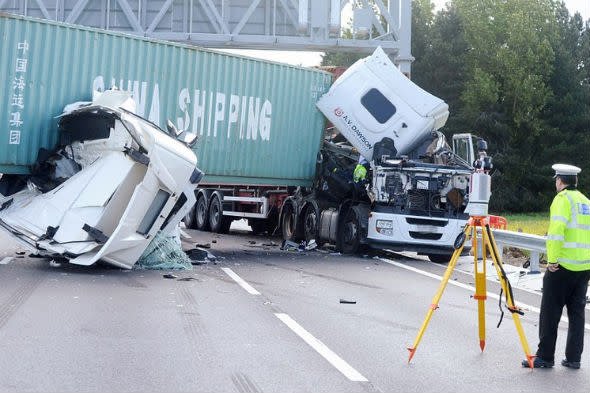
(189,219)
(288,223)
(218,223)
(311,225)
(440,258)
(349,233)
(201,213)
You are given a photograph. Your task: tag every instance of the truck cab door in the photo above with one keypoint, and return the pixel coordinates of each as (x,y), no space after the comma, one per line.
(463,147)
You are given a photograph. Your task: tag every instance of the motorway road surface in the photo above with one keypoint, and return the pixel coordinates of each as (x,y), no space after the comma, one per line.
(261,320)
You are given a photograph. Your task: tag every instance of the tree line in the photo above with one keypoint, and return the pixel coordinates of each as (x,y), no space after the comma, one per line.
(517,74)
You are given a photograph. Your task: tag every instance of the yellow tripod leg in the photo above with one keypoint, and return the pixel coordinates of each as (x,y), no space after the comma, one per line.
(480,290)
(437,296)
(506,288)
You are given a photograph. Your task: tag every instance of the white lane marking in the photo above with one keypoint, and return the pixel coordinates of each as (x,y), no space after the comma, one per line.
(6,260)
(469,287)
(322,349)
(240,281)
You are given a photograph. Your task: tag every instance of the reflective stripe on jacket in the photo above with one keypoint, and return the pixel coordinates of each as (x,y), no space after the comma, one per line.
(568,237)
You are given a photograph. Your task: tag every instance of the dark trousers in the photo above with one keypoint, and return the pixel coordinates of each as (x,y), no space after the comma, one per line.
(563,288)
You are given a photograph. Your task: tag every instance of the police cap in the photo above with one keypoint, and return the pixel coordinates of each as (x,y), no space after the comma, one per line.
(565,170)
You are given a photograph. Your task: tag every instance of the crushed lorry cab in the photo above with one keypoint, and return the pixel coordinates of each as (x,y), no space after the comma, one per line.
(113,183)
(417,191)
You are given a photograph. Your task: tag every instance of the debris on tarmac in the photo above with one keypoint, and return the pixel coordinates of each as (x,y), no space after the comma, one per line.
(344,301)
(188,279)
(288,245)
(169,276)
(200,256)
(311,245)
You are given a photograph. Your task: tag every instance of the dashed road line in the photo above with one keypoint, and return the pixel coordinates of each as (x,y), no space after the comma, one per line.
(6,260)
(465,286)
(335,360)
(240,281)
(340,364)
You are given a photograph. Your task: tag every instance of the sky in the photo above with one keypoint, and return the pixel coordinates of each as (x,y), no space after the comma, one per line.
(309,59)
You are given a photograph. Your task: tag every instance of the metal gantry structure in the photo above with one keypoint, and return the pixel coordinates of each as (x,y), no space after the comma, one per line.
(304,25)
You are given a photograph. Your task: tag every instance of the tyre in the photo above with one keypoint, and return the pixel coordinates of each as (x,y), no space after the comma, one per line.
(440,258)
(201,214)
(349,235)
(189,219)
(217,222)
(288,221)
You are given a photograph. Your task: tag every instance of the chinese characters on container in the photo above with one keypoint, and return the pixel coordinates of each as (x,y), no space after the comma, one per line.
(18,94)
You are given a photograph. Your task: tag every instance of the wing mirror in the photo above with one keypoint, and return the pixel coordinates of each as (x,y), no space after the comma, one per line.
(172,130)
(186,137)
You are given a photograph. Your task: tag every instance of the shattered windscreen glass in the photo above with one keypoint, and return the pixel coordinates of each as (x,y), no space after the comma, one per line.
(164,253)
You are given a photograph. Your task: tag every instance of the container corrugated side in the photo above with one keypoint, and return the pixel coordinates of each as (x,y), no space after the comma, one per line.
(256,120)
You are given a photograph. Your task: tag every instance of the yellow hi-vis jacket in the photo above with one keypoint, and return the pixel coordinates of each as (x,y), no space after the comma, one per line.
(568,238)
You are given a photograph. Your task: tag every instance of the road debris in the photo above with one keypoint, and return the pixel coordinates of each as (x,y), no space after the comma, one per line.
(344,301)
(53,263)
(200,256)
(288,245)
(311,245)
(169,276)
(188,279)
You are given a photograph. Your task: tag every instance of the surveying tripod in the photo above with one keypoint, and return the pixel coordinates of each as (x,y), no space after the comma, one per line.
(480,192)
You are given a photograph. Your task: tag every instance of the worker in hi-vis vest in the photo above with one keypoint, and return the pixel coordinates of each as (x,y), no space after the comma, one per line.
(568,270)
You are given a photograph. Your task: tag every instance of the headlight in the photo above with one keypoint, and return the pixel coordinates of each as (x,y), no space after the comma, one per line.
(384,227)
(384,224)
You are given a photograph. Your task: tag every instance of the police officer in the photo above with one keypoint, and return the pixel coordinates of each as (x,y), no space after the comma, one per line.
(360,171)
(568,270)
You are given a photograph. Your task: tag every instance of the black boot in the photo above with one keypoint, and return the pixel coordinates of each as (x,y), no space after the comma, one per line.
(538,363)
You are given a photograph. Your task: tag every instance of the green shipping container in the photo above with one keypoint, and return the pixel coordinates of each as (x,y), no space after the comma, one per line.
(257,121)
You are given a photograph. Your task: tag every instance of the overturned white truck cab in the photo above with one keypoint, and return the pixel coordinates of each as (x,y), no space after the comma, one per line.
(115,181)
(416,190)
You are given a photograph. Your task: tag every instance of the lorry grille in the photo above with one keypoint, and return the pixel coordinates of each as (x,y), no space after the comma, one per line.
(425,236)
(426,221)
